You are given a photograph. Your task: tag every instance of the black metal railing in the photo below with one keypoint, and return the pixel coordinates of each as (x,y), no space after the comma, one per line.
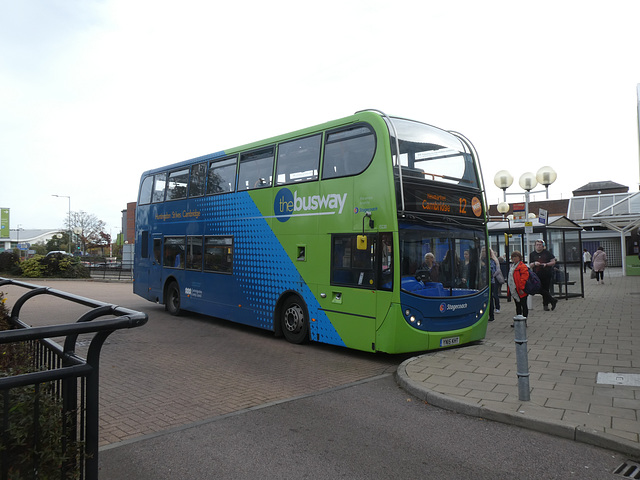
(112,271)
(57,376)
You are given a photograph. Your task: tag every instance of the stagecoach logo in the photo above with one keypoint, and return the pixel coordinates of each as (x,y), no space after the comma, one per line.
(444,307)
(287,204)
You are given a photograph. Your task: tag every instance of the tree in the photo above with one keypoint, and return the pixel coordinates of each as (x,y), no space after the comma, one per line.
(87,228)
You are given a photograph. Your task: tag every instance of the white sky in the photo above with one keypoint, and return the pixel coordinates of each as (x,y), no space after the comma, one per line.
(93,93)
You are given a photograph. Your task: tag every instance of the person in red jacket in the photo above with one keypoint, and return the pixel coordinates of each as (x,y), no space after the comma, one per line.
(518,275)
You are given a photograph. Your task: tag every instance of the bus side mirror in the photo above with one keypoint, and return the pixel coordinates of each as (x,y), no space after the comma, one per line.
(361,243)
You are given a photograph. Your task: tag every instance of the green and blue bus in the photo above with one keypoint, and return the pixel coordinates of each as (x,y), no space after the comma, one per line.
(368,232)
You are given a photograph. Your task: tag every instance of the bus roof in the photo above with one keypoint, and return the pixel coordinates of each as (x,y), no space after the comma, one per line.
(364,115)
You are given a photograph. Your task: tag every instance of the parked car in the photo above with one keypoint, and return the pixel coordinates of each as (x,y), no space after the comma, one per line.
(61,252)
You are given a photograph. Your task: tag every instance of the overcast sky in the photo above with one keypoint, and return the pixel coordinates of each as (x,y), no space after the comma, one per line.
(93,93)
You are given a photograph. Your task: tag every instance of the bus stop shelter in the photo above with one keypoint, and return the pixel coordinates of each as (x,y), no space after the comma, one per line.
(563,238)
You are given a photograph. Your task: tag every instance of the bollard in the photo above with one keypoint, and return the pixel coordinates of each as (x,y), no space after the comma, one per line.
(522,357)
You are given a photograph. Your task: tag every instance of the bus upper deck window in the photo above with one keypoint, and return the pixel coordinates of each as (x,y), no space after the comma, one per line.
(159,185)
(256,169)
(197,180)
(145,191)
(177,186)
(221,177)
(298,160)
(348,151)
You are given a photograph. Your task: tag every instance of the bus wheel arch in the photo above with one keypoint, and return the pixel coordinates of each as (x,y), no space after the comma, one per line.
(172,297)
(292,319)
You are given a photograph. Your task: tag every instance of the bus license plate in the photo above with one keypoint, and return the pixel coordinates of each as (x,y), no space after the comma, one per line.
(447,342)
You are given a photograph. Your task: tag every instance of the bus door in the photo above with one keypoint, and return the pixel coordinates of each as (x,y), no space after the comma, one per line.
(350,300)
(155,270)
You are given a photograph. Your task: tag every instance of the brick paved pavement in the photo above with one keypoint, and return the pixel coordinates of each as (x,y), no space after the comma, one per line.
(567,348)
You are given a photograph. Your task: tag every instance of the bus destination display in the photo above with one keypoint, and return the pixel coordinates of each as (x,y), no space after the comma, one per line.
(443,203)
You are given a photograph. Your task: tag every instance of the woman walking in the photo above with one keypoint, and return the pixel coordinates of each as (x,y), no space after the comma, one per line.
(599,263)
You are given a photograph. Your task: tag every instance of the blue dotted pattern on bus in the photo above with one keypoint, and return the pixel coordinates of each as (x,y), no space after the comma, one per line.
(261,266)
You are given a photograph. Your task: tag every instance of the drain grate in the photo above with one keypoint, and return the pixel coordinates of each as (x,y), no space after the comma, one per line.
(628,470)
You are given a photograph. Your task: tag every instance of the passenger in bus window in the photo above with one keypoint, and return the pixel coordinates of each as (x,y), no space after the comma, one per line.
(465,268)
(451,269)
(431,267)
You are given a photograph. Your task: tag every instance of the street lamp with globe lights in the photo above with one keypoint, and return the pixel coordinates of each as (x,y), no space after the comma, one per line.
(528,181)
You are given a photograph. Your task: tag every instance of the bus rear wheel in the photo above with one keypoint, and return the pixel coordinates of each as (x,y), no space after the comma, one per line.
(295,320)
(172,299)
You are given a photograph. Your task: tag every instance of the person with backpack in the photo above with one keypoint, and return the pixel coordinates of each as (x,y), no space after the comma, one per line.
(541,262)
(518,275)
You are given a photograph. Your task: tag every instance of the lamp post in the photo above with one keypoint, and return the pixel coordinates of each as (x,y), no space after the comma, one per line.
(69,198)
(528,181)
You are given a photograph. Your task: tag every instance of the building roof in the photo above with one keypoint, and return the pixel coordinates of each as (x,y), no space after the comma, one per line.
(595,188)
(583,208)
(31,235)
(622,216)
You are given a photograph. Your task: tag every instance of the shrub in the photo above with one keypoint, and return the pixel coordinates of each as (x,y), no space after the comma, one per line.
(65,266)
(33,267)
(56,265)
(9,262)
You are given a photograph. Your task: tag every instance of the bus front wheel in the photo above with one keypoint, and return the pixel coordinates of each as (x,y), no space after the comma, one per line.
(172,299)
(295,320)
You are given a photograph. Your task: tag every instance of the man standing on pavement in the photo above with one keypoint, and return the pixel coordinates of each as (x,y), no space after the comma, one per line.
(541,262)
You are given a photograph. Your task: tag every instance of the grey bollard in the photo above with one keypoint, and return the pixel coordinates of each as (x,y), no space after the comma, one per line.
(522,358)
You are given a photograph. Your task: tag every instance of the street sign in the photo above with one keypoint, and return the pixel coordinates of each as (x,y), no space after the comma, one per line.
(528,227)
(24,246)
(519,212)
(542,216)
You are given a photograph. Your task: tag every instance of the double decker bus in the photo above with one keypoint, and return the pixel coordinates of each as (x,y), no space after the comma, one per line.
(367,232)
